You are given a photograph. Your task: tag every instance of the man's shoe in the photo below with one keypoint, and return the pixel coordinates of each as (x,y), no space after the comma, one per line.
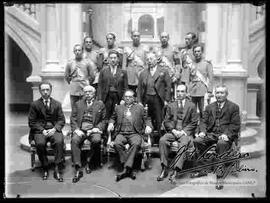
(45,175)
(57,176)
(77,176)
(87,170)
(172,177)
(121,176)
(219,184)
(163,174)
(197,174)
(132,175)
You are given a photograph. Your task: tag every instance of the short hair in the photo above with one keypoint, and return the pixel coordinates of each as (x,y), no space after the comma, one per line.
(154,52)
(223,86)
(77,45)
(91,88)
(44,83)
(134,32)
(198,45)
(112,34)
(193,35)
(86,38)
(165,33)
(129,90)
(114,52)
(183,85)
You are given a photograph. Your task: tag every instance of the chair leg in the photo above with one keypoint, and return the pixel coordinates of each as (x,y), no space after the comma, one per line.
(33,161)
(143,161)
(148,160)
(101,156)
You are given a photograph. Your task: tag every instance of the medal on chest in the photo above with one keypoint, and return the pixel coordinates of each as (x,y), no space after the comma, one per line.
(128,113)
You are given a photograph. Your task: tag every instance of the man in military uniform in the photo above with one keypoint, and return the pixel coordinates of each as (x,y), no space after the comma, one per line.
(79,72)
(187,56)
(89,53)
(169,58)
(103,54)
(134,60)
(201,78)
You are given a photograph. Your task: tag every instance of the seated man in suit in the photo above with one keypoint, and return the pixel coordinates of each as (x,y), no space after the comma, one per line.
(180,123)
(87,122)
(220,125)
(128,122)
(46,120)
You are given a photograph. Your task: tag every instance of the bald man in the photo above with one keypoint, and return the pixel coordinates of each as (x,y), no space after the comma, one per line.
(154,90)
(169,57)
(87,122)
(134,60)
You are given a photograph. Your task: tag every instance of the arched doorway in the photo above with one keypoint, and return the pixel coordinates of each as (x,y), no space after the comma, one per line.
(18,68)
(146,25)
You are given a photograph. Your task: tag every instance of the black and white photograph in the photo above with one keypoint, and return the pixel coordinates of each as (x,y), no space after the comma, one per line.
(135,100)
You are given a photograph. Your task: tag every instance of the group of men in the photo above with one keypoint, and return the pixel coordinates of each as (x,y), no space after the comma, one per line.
(109,89)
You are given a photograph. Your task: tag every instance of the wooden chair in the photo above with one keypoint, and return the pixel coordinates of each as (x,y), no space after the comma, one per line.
(145,150)
(86,146)
(49,149)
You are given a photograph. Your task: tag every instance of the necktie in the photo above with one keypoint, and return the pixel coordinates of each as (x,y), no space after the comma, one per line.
(88,103)
(219,107)
(181,105)
(47,105)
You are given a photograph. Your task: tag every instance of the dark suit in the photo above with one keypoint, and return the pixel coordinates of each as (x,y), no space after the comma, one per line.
(37,123)
(189,124)
(229,120)
(162,86)
(139,122)
(76,123)
(104,94)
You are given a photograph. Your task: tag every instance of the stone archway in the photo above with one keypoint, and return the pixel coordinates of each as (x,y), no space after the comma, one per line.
(18,68)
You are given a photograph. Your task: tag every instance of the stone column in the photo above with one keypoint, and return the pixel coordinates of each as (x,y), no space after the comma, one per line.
(213,33)
(225,34)
(74,30)
(51,38)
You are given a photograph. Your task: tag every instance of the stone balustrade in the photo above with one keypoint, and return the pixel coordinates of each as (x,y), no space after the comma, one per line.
(260,11)
(30,9)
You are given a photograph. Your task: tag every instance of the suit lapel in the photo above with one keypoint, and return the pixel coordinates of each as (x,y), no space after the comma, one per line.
(224,109)
(156,74)
(214,111)
(175,107)
(185,107)
(118,73)
(95,110)
(43,110)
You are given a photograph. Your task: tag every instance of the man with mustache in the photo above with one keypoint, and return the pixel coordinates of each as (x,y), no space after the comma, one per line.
(134,60)
(220,125)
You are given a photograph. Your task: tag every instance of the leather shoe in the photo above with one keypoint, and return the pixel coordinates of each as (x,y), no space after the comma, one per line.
(77,176)
(121,176)
(132,175)
(163,174)
(57,176)
(172,177)
(45,175)
(197,174)
(87,170)
(219,184)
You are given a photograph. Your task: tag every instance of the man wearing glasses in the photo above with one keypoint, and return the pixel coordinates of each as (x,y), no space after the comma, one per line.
(128,123)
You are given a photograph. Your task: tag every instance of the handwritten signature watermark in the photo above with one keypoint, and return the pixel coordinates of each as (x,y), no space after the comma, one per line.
(220,164)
